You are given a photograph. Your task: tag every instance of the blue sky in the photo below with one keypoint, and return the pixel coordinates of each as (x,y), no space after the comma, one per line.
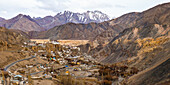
(41,8)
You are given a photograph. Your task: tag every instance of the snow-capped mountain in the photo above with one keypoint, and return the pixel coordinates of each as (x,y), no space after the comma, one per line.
(86,17)
(68,16)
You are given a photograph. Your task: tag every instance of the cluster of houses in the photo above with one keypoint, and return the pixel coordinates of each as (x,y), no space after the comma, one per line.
(68,57)
(62,60)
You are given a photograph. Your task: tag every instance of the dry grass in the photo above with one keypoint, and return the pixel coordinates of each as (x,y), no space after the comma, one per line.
(69,80)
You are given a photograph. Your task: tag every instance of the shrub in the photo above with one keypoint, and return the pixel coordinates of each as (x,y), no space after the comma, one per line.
(108,77)
(106,82)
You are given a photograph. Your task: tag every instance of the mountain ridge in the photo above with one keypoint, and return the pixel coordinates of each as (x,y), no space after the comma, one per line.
(68,16)
(22,22)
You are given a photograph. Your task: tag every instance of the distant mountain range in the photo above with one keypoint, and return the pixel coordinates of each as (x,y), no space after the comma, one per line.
(67,16)
(26,23)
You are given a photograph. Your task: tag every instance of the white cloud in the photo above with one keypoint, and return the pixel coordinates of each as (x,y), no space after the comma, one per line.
(4,12)
(10,8)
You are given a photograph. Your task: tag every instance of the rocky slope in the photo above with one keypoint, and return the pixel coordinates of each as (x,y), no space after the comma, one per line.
(156,15)
(157,75)
(68,16)
(11,37)
(130,41)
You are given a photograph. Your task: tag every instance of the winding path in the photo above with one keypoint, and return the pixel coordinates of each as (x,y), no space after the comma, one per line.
(8,66)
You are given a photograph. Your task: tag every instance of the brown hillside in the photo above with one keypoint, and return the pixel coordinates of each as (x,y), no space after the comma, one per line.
(158,75)
(145,46)
(11,37)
